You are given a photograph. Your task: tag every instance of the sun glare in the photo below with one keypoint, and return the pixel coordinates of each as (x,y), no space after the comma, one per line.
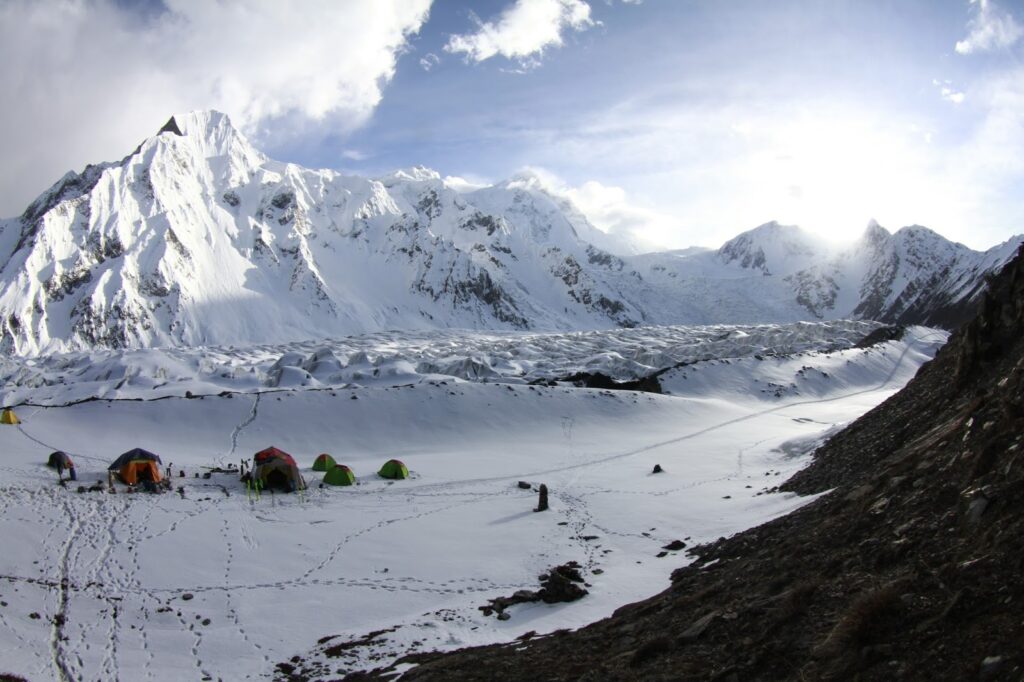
(831,175)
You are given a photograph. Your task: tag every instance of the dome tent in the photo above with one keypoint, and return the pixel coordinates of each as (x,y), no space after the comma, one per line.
(393,468)
(274,468)
(137,465)
(339,474)
(323,462)
(8,417)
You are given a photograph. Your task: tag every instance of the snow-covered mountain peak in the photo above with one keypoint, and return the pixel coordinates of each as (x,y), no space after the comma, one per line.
(211,126)
(772,248)
(875,233)
(205,134)
(874,239)
(919,234)
(412,174)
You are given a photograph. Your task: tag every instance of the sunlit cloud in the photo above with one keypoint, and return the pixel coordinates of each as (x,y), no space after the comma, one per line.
(464,183)
(610,209)
(991,27)
(94,77)
(523,31)
(826,166)
(624,226)
(947,92)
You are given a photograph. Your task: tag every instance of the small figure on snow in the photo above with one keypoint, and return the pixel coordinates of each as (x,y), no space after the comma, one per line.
(542,503)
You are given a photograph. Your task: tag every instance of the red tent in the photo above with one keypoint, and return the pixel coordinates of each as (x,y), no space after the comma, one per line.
(270,453)
(274,468)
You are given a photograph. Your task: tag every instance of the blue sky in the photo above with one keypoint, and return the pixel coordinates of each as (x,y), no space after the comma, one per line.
(671,122)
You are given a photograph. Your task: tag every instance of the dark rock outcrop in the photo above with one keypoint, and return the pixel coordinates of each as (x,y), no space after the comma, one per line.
(171,127)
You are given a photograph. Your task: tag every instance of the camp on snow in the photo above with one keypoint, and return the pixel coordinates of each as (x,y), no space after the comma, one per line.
(393,468)
(339,474)
(137,465)
(60,461)
(273,468)
(8,417)
(323,463)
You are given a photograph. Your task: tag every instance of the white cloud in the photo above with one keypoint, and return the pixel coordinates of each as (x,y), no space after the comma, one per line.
(523,30)
(354,155)
(623,226)
(465,184)
(826,165)
(611,210)
(429,61)
(991,157)
(86,80)
(952,96)
(947,92)
(990,28)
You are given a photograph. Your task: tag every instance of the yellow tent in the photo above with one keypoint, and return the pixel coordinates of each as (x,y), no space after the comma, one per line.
(8,417)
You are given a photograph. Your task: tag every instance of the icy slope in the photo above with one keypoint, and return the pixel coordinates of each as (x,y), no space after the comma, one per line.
(196,238)
(210,584)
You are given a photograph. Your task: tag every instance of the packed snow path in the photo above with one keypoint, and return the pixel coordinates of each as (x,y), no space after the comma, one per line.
(212,585)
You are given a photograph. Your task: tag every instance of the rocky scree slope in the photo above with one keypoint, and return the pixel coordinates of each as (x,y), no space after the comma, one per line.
(196,238)
(908,569)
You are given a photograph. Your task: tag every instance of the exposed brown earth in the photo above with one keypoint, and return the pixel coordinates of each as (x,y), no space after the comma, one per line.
(911,568)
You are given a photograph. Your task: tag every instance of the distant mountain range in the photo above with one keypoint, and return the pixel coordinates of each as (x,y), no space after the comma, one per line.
(197,238)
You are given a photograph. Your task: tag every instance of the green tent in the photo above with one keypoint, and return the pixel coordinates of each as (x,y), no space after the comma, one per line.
(323,463)
(393,468)
(339,474)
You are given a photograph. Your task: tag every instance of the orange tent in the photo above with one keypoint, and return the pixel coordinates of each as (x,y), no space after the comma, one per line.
(137,465)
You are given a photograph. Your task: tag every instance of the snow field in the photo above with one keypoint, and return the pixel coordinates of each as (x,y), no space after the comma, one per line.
(109,575)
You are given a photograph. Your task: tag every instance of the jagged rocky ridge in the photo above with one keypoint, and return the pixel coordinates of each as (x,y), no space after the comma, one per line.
(197,238)
(908,569)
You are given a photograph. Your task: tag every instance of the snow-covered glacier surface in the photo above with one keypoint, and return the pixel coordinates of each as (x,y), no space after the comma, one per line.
(206,583)
(393,358)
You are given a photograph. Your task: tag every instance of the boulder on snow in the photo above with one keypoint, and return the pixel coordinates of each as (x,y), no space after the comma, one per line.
(561,584)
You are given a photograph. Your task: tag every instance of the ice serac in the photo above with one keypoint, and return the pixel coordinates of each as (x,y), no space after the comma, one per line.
(197,238)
